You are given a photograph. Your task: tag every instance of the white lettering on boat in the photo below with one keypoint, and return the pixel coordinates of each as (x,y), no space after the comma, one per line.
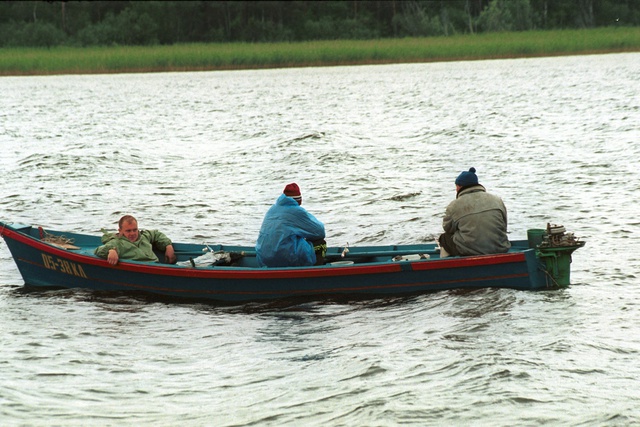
(63,266)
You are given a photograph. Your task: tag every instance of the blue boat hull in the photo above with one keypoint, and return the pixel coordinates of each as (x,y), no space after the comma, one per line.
(372,274)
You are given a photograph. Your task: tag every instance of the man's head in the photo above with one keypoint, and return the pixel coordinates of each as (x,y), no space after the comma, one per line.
(292,190)
(466,179)
(128,227)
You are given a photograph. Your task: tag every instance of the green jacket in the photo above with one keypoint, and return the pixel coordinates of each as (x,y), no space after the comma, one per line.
(140,250)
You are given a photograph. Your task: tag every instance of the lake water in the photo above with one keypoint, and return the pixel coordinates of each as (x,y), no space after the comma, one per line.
(375,149)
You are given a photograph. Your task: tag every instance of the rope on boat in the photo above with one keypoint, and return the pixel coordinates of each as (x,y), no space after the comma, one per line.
(549,276)
(60,240)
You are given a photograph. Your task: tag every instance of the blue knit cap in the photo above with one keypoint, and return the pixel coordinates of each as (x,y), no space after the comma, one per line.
(466,179)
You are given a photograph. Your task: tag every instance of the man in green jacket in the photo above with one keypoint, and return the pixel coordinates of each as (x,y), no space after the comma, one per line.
(137,245)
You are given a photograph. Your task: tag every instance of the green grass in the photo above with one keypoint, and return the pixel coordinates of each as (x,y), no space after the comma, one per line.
(225,56)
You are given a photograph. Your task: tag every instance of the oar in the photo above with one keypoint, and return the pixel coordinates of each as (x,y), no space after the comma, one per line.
(198,253)
(332,256)
(377,254)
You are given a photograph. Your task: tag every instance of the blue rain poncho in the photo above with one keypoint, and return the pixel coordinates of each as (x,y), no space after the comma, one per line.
(286,235)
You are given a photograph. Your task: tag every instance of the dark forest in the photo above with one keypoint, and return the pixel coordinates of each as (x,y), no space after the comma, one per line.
(109,23)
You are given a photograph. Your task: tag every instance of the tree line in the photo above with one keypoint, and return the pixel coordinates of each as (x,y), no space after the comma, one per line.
(100,23)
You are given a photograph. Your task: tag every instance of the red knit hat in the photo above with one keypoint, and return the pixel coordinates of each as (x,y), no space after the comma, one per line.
(292,190)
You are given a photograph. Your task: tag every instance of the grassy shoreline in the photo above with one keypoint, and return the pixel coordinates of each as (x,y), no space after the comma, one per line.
(235,56)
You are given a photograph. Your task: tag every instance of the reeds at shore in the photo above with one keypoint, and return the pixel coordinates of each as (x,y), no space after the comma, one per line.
(228,56)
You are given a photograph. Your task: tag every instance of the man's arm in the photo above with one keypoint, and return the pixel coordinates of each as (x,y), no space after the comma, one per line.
(108,252)
(160,241)
(170,254)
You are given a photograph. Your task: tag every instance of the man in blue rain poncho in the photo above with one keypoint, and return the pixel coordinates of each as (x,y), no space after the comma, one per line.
(290,236)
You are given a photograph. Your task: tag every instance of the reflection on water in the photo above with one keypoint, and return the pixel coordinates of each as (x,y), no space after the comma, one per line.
(375,150)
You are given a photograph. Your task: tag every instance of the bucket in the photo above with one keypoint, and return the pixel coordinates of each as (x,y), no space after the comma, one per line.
(340,263)
(410,257)
(534,236)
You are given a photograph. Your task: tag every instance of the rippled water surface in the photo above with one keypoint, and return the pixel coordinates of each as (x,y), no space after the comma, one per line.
(375,150)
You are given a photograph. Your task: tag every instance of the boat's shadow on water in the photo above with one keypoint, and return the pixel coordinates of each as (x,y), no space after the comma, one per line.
(128,300)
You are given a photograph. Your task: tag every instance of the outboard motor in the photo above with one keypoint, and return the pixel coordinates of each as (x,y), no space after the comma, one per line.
(554,247)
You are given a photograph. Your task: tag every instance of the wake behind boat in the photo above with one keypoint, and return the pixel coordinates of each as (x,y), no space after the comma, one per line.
(49,258)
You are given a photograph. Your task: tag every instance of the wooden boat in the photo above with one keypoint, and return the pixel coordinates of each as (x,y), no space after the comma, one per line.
(48,258)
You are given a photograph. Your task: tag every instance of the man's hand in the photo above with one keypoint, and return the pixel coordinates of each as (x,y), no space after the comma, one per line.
(170,255)
(112,257)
